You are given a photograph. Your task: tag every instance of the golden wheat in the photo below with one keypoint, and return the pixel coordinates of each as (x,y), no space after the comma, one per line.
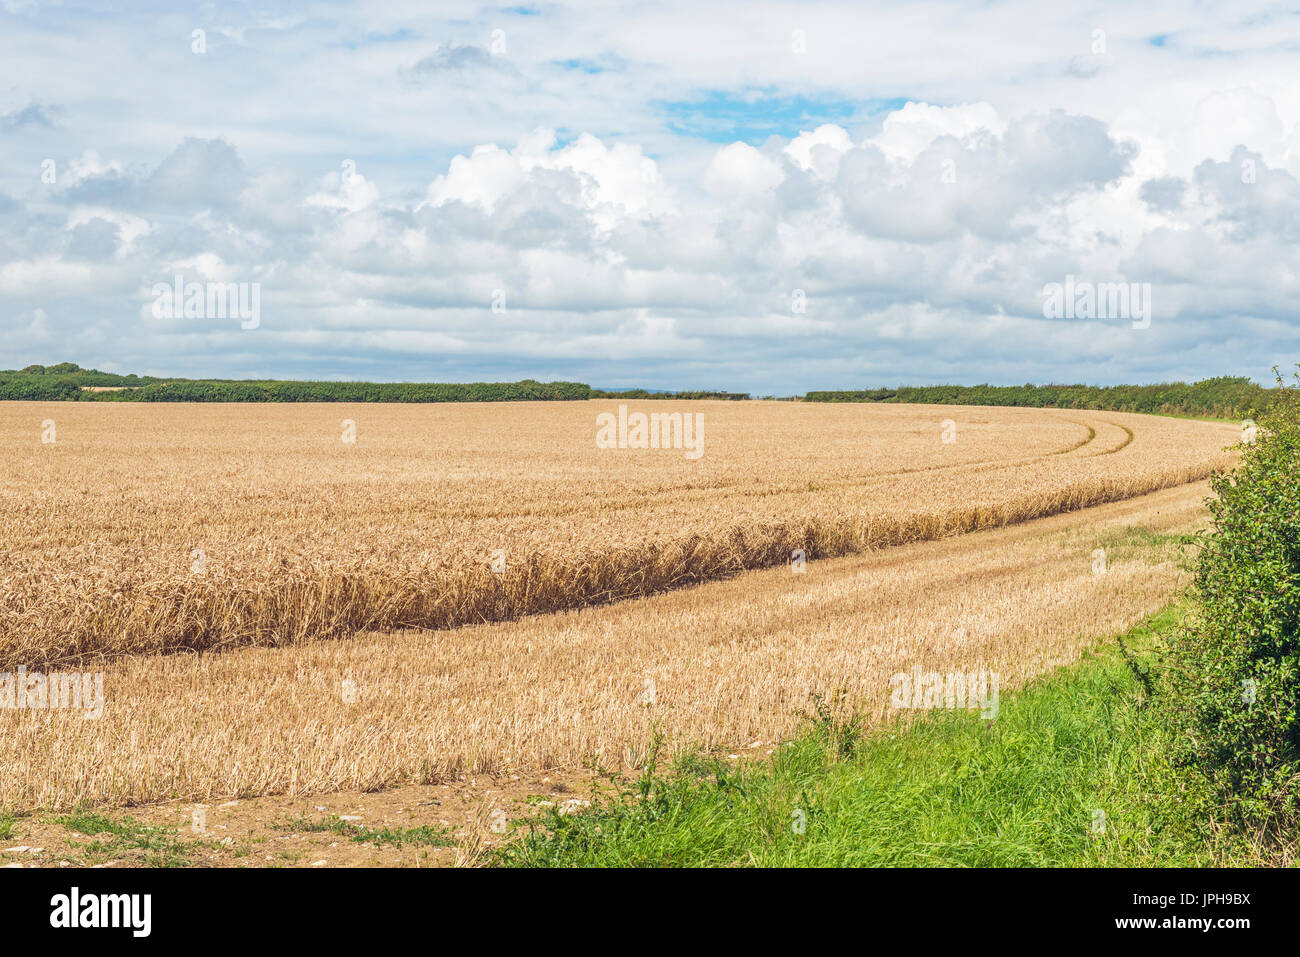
(158,528)
(728,664)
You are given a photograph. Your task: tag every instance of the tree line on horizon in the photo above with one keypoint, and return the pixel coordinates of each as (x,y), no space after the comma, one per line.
(1221,397)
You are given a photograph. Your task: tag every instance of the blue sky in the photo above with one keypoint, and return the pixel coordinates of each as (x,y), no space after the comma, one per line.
(751,116)
(761,197)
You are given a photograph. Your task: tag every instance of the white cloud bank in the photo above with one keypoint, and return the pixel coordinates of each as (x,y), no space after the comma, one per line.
(542,212)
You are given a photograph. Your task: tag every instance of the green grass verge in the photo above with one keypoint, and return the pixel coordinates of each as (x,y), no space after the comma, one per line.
(422,836)
(947,789)
(128,840)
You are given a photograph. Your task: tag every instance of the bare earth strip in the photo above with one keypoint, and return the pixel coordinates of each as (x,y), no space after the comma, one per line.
(729,665)
(140,529)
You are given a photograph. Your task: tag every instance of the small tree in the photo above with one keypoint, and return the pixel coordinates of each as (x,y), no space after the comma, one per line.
(1234,667)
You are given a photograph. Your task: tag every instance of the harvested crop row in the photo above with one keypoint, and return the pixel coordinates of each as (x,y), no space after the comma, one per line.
(140,530)
(724,665)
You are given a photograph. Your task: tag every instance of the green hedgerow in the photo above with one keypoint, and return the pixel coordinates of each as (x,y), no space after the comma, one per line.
(1233,670)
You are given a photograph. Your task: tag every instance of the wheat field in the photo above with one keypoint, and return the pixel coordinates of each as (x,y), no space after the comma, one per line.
(476,588)
(732,665)
(132,529)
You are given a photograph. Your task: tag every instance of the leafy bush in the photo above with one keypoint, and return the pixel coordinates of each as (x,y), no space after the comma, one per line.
(1233,671)
(37,389)
(68,376)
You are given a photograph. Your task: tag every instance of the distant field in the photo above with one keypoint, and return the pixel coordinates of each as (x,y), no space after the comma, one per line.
(144,529)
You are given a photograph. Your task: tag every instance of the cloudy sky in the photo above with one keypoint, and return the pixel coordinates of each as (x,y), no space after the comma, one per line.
(755,196)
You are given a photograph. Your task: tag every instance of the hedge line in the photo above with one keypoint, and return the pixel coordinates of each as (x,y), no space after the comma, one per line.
(1222,397)
(1233,670)
(67,381)
(220,391)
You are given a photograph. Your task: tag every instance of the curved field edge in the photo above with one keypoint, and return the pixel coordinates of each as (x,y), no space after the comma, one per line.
(221,612)
(1071,773)
(732,663)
